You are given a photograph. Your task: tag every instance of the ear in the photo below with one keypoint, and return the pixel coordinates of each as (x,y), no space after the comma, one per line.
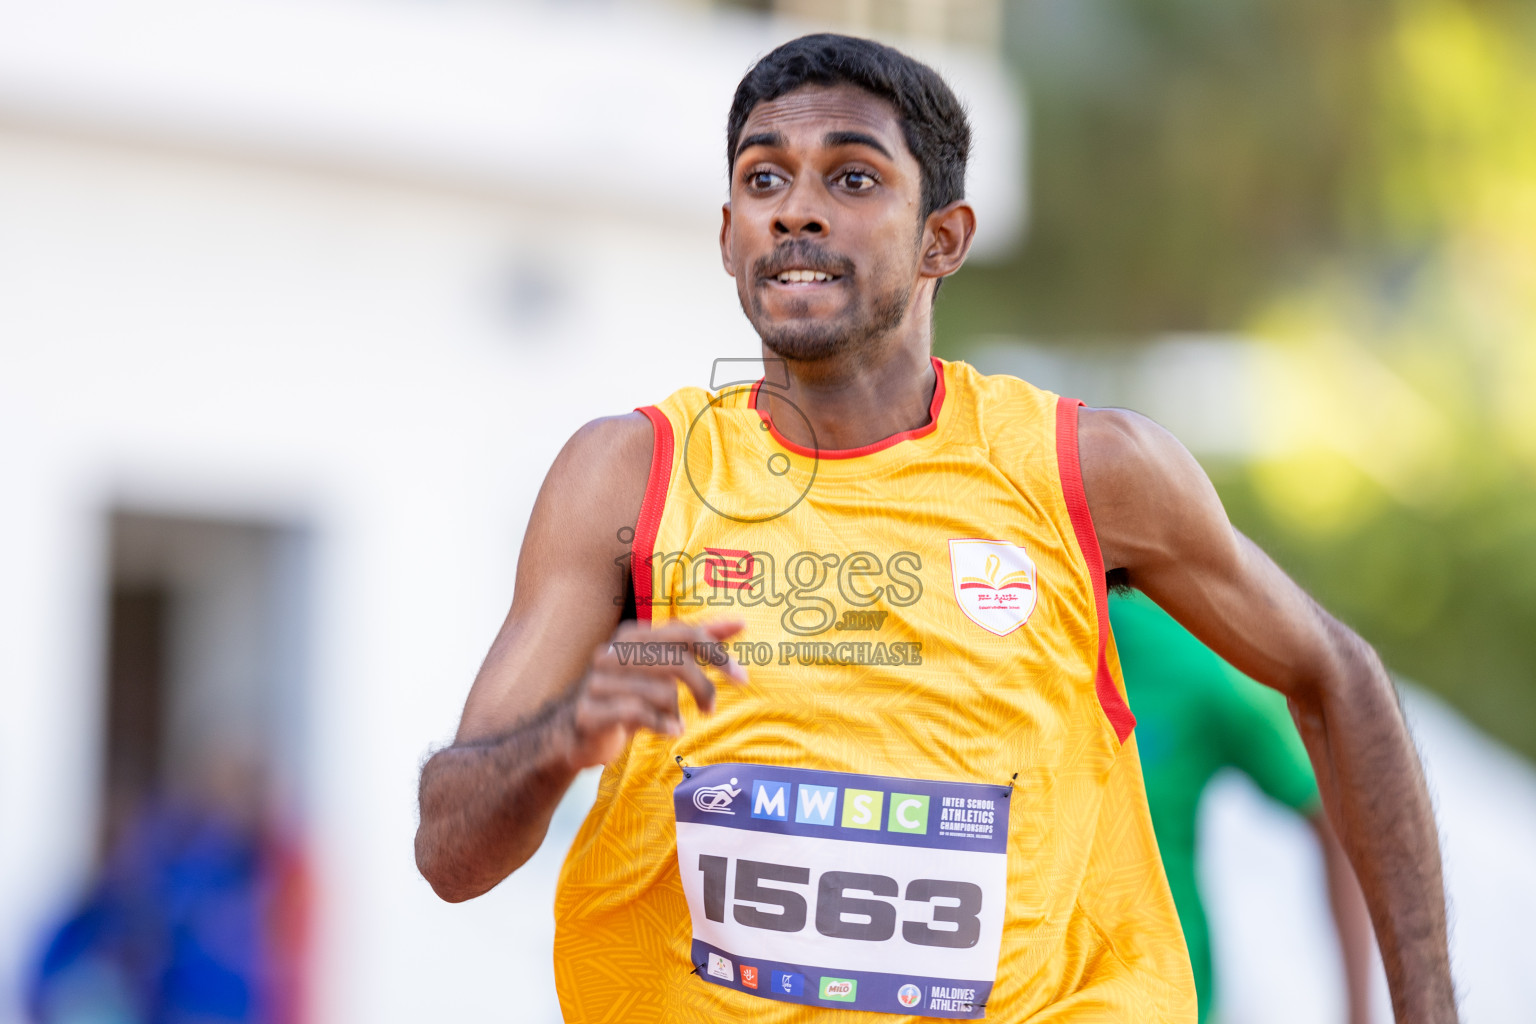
(725,239)
(947,236)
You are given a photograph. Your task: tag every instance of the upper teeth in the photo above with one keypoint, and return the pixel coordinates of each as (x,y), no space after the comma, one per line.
(800,276)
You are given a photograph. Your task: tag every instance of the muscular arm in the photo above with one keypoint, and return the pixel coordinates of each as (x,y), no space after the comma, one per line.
(551,697)
(1158,517)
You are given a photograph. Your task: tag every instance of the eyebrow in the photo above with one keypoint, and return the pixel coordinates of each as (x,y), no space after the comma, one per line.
(831,140)
(772,139)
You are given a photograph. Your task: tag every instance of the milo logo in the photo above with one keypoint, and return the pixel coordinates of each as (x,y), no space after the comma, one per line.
(842,990)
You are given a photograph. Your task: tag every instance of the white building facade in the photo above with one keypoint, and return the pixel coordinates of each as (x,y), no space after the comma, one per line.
(297,304)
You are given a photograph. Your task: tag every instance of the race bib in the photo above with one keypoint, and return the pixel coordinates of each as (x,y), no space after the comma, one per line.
(838,890)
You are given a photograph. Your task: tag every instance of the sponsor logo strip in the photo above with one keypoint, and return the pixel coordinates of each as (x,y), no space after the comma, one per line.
(839,805)
(955,999)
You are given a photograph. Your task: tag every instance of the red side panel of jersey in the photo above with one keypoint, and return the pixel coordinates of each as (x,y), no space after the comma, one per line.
(1115,708)
(644,545)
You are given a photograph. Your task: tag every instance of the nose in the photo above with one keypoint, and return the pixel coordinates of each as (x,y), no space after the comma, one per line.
(800,213)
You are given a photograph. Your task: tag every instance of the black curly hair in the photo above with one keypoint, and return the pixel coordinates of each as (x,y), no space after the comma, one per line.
(933,122)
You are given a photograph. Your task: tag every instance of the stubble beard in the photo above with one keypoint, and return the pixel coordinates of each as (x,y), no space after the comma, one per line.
(854,330)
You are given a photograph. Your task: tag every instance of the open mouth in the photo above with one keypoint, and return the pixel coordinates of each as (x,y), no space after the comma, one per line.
(801,276)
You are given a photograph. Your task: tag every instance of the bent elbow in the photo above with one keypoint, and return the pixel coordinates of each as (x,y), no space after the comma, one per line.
(454,876)
(448,888)
(438,870)
(451,894)
(1351,686)
(1358,669)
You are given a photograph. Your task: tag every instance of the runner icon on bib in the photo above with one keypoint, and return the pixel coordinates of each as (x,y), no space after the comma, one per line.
(857,891)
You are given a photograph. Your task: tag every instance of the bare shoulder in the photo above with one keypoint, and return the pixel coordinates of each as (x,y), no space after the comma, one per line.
(571,581)
(599,475)
(1118,447)
(611,448)
(1158,516)
(1150,500)
(592,495)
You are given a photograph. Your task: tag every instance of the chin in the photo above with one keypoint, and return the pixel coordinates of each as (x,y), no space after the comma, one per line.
(809,338)
(806,341)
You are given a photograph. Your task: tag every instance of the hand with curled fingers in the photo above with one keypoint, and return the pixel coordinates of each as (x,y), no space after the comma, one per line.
(631,684)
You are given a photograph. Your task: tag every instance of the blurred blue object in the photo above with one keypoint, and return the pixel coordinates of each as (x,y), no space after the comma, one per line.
(172,932)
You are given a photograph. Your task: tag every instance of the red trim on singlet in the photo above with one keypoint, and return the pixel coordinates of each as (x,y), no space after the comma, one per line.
(868,449)
(650,510)
(1115,708)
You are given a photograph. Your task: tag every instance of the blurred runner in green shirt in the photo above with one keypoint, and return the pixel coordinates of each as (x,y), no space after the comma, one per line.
(1195,715)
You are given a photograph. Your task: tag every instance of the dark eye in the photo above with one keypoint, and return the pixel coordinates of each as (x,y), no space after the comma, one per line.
(762,180)
(858,181)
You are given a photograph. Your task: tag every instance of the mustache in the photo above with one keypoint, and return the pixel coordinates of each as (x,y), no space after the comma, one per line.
(802,255)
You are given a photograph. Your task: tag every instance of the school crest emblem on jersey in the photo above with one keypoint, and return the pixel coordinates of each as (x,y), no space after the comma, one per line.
(994,583)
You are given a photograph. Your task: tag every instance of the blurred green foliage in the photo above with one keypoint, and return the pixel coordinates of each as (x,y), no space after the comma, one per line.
(1353,186)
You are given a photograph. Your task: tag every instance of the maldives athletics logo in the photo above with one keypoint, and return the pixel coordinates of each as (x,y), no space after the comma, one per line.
(994,583)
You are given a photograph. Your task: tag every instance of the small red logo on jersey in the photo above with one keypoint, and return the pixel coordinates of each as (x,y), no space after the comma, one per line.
(749,976)
(725,567)
(994,583)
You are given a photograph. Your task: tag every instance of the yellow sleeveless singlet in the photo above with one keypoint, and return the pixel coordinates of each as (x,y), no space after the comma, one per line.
(923,612)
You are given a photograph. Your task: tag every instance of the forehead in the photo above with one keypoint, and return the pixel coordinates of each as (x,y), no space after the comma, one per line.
(805,116)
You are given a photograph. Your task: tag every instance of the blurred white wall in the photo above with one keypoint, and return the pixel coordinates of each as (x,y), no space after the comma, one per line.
(615,108)
(356,269)
(189,336)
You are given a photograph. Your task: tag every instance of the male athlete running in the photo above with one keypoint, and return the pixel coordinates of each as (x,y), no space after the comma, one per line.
(920,797)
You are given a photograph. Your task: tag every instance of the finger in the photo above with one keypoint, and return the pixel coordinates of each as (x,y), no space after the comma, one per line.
(631,630)
(715,629)
(679,665)
(610,679)
(645,647)
(666,726)
(722,628)
(605,659)
(692,676)
(710,636)
(691,642)
(640,713)
(718,631)
(630,711)
(654,686)
(660,692)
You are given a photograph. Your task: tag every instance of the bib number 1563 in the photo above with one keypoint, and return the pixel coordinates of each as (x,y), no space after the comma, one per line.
(953,920)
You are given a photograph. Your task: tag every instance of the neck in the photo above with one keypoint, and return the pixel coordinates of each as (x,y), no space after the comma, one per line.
(856,398)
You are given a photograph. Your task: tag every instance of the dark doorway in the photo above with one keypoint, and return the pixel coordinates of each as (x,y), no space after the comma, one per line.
(200,907)
(204,667)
